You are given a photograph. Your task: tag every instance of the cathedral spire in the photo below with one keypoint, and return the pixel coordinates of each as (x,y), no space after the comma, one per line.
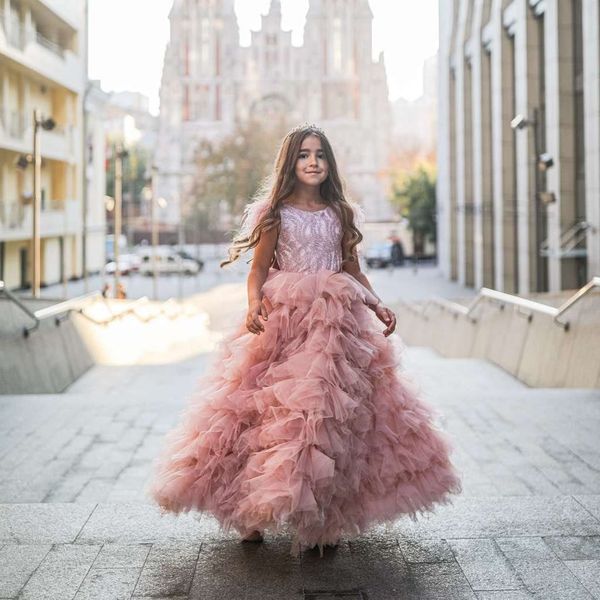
(364,9)
(314,7)
(275,8)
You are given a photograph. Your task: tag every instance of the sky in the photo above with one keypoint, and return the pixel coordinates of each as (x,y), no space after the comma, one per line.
(128,40)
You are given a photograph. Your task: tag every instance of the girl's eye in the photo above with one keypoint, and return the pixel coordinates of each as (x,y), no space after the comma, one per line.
(303,155)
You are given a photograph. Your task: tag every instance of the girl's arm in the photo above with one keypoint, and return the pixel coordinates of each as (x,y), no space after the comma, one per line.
(353,268)
(261,261)
(382,312)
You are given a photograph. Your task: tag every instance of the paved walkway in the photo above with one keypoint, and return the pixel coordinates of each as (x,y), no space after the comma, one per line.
(392,283)
(74,523)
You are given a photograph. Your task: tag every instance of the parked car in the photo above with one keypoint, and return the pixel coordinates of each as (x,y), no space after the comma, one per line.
(128,263)
(188,256)
(168,263)
(379,255)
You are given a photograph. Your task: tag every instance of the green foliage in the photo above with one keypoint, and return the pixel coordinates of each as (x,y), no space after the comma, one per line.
(135,172)
(229,172)
(414,195)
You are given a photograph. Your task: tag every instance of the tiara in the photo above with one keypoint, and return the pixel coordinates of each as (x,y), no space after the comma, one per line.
(307,125)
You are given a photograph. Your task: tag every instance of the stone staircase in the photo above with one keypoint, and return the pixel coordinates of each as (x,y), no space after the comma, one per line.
(74,523)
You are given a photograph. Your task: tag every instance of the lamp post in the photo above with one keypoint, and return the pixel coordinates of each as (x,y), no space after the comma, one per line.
(154,232)
(520,122)
(120,154)
(150,196)
(46,123)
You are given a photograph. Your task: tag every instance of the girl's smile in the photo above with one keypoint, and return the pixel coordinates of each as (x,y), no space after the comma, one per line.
(311,165)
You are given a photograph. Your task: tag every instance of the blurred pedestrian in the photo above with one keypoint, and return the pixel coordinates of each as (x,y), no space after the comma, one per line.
(397,252)
(121,294)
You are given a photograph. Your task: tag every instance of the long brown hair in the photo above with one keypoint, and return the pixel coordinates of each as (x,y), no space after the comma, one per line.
(279,186)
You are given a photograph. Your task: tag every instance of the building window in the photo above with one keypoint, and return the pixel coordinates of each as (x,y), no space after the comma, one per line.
(579,114)
(579,121)
(542,176)
(186,103)
(488,206)
(453,216)
(186,58)
(514,205)
(204,43)
(337,44)
(468,206)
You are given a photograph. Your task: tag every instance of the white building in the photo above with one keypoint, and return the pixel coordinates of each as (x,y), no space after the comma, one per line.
(415,121)
(42,66)
(210,82)
(503,222)
(127,118)
(95,105)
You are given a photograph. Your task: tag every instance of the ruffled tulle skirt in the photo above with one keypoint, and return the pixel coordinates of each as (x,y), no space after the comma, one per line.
(309,425)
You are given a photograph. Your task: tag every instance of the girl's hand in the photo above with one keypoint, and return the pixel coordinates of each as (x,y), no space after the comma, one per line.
(256,309)
(387,316)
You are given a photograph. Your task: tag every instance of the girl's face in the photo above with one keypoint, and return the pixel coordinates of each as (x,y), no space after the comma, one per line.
(311,165)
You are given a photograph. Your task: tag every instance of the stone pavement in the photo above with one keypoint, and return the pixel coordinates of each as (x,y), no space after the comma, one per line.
(393,283)
(74,523)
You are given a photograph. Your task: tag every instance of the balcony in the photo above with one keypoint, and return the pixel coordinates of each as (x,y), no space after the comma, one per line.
(13,123)
(16,134)
(24,43)
(59,218)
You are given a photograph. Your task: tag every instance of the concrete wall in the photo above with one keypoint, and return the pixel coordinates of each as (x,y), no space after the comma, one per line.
(47,361)
(534,349)
(53,357)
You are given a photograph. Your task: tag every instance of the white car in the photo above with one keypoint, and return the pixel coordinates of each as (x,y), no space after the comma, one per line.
(127,264)
(168,263)
(379,255)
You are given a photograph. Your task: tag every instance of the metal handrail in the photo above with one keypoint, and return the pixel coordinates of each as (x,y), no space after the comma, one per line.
(410,307)
(116,315)
(61,310)
(44,313)
(504,298)
(66,306)
(569,239)
(4,290)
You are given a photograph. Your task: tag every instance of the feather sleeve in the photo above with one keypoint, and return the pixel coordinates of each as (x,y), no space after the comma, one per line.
(254,211)
(359,214)
(359,220)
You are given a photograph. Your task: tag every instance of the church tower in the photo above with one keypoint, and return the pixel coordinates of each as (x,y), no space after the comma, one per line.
(210,83)
(352,95)
(196,97)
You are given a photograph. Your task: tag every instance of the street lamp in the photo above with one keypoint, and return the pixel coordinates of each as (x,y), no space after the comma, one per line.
(150,194)
(541,163)
(119,154)
(47,124)
(545,161)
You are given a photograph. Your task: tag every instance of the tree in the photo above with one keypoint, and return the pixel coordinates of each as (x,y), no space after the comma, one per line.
(414,194)
(228,172)
(135,166)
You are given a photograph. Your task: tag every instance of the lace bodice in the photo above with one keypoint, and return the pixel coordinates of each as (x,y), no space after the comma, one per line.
(309,241)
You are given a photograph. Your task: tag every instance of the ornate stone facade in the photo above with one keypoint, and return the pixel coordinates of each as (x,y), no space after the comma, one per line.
(210,82)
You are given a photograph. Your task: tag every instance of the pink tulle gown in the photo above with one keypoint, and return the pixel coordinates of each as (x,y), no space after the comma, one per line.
(308,424)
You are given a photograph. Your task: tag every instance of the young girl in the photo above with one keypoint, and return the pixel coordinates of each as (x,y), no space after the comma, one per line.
(303,419)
